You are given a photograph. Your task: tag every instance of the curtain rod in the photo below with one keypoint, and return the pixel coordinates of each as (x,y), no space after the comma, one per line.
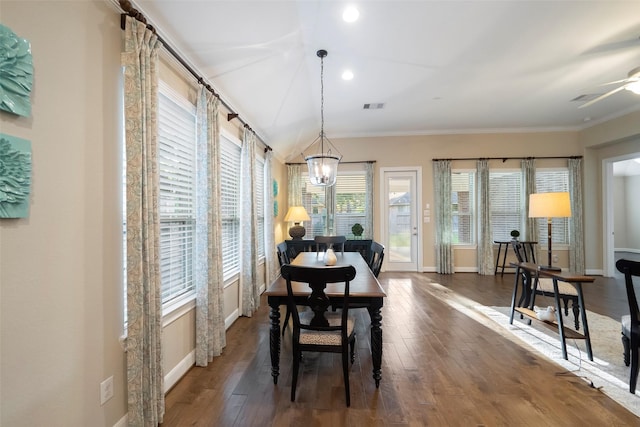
(129,10)
(504,159)
(342,163)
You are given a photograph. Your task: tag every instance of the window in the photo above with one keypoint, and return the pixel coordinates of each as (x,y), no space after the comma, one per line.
(260,204)
(506,201)
(351,197)
(313,200)
(230,210)
(176,169)
(553,180)
(351,194)
(462,207)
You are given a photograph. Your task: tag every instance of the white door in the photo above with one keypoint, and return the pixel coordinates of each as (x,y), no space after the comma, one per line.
(400,202)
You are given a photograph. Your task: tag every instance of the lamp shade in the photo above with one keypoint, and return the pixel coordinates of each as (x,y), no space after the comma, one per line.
(549,205)
(297,214)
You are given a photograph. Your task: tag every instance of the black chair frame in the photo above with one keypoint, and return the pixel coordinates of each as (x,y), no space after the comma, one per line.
(631,342)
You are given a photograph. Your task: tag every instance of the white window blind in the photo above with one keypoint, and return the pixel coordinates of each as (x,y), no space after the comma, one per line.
(553,180)
(505,189)
(351,193)
(230,210)
(176,167)
(463,202)
(313,200)
(260,205)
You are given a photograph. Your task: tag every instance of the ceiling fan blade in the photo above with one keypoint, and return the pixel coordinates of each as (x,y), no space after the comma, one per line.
(617,81)
(601,97)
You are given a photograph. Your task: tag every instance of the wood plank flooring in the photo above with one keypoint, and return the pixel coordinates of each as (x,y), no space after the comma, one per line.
(439,368)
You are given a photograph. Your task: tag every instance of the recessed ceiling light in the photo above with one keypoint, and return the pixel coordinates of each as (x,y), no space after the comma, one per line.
(350,14)
(347,75)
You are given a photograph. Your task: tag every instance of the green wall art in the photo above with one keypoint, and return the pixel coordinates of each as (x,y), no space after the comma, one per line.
(15,176)
(16,73)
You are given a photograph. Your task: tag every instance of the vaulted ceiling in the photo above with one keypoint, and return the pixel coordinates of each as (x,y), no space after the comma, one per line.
(436,66)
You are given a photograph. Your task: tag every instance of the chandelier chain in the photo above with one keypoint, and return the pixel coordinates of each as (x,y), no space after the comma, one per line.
(322,98)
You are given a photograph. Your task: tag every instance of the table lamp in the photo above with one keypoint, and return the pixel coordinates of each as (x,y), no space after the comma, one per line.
(297,214)
(549,205)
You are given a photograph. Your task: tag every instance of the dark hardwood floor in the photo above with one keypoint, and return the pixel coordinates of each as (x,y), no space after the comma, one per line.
(439,368)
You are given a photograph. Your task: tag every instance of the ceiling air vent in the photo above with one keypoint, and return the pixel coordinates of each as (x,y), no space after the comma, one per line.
(378,106)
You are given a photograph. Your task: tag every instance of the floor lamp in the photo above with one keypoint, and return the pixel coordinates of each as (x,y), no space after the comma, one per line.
(549,206)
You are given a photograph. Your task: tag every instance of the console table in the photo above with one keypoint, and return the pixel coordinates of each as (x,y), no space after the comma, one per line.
(533,273)
(295,246)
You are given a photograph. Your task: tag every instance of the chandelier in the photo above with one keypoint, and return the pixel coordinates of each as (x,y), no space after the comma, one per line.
(323,166)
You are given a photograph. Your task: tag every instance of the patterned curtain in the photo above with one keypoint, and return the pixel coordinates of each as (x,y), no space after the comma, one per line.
(145,379)
(528,167)
(210,328)
(248,234)
(576,224)
(330,204)
(368,204)
(443,217)
(269,241)
(485,237)
(294,185)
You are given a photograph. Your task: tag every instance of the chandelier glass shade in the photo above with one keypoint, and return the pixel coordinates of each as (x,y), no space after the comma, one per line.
(323,165)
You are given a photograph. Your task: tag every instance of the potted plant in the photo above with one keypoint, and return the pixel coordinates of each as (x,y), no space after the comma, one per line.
(357,230)
(515,234)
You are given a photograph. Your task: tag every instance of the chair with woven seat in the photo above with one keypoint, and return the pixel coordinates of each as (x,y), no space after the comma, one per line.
(325,242)
(377,256)
(631,322)
(566,291)
(319,330)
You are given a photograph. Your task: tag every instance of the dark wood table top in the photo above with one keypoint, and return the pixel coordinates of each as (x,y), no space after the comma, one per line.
(564,276)
(364,284)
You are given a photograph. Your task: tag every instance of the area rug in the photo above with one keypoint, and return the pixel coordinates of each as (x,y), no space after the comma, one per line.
(606,372)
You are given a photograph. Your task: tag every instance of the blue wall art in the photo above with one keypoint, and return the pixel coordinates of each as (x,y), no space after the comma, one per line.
(15,176)
(16,73)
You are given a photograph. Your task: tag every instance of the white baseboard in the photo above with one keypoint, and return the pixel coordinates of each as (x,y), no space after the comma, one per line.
(631,250)
(231,318)
(179,370)
(123,422)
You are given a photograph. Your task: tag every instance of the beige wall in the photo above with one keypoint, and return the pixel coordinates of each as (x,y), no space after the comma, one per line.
(60,268)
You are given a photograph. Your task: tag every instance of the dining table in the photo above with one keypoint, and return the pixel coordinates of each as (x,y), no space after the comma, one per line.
(364,291)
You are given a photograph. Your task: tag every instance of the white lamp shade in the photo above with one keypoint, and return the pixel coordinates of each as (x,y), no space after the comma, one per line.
(549,205)
(297,214)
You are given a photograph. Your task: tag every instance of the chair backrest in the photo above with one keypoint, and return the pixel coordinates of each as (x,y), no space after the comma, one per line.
(520,250)
(377,256)
(336,242)
(317,279)
(283,255)
(629,269)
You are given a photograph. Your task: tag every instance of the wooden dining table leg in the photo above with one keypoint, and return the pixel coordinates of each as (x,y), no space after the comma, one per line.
(274,339)
(376,341)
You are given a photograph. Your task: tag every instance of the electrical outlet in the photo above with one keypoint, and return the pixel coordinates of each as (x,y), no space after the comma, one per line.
(106,390)
(555,259)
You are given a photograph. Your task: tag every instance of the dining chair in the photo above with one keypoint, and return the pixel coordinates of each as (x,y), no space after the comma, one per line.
(630,322)
(283,258)
(319,330)
(377,256)
(335,242)
(566,291)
